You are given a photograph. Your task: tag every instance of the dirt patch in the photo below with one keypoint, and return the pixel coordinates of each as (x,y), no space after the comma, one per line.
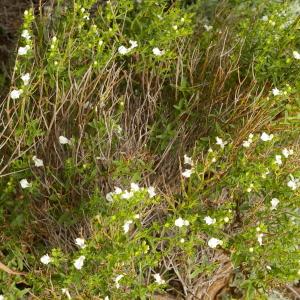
(11,18)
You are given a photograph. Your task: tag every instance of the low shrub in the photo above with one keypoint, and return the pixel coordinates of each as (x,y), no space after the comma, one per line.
(151,148)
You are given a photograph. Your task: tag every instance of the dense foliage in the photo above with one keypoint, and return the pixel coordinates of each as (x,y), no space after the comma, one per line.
(151,148)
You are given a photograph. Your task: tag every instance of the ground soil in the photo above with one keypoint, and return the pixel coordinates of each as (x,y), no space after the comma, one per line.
(11,17)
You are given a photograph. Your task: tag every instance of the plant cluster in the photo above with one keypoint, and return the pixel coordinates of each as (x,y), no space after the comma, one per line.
(151,148)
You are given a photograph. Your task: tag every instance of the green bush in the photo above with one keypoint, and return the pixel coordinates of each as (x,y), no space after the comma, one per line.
(149,148)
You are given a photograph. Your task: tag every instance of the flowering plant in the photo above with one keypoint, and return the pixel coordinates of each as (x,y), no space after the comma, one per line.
(141,157)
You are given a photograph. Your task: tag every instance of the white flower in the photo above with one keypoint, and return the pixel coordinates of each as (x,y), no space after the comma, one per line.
(80,242)
(209,221)
(213,242)
(134,187)
(278,160)
(2,297)
(274,203)
(158,279)
(264,175)
(293,183)
(117,279)
(118,190)
(182,240)
(151,191)
(123,50)
(249,189)
(246,144)
(188,160)
(226,219)
(220,142)
(213,160)
(25,34)
(45,259)
(106,298)
(286,152)
(175,27)
(86,17)
(25,78)
(158,52)
(180,222)
(25,184)
(133,44)
(265,18)
(126,226)
(136,216)
(63,140)
(15,94)
(259,238)
(66,292)
(109,197)
(187,173)
(266,137)
(208,27)
(296,54)
(23,50)
(276,92)
(78,263)
(37,161)
(126,195)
